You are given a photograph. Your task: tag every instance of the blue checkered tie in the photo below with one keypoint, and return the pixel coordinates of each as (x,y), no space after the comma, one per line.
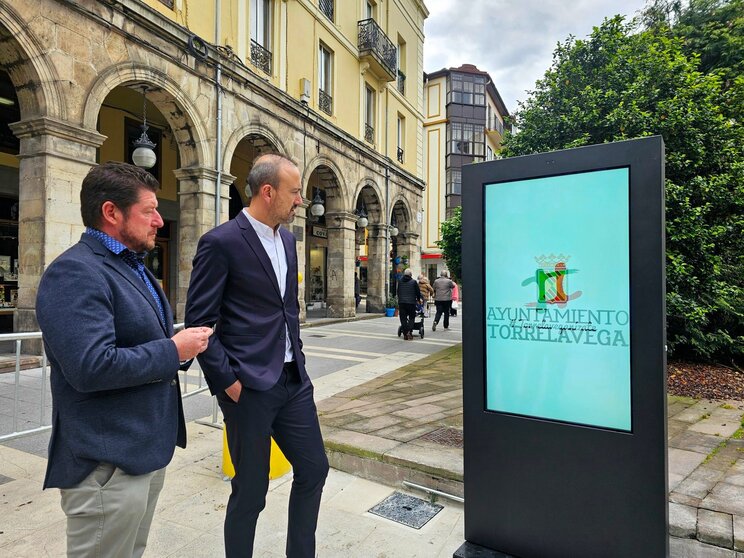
(137,263)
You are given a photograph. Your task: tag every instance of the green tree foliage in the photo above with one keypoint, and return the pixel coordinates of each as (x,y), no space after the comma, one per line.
(451,244)
(623,82)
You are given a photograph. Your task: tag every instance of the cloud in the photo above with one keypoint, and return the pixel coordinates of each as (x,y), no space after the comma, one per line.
(511,40)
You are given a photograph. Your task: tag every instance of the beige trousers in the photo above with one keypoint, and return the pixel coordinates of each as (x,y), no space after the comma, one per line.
(109,513)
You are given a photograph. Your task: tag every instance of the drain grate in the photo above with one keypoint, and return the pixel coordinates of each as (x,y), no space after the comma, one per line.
(407,510)
(451,437)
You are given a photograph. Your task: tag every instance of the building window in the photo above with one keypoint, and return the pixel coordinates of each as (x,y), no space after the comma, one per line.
(454,181)
(401,65)
(369,114)
(168,3)
(325,85)
(261,34)
(465,139)
(401,137)
(326,6)
(369,9)
(466,89)
(489,154)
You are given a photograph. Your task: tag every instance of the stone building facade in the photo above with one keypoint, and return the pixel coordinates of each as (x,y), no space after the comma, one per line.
(68,61)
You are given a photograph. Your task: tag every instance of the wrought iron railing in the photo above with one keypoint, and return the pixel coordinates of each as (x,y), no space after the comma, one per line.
(496,124)
(326,6)
(261,57)
(400,155)
(374,40)
(401,82)
(325,102)
(369,133)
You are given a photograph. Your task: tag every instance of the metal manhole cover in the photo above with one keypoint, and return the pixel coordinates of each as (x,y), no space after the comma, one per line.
(407,510)
(451,437)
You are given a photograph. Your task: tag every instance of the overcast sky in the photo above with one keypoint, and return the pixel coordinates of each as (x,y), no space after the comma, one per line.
(512,40)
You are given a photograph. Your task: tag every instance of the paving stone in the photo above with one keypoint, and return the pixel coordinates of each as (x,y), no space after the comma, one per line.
(684,462)
(371,424)
(688,548)
(715,528)
(341,439)
(696,411)
(695,441)
(738,532)
(680,498)
(727,498)
(682,521)
(421,412)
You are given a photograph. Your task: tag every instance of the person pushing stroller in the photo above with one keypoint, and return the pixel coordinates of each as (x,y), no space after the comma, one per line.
(409,295)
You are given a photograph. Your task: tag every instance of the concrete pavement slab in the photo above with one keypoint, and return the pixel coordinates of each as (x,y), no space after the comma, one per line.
(715,528)
(682,521)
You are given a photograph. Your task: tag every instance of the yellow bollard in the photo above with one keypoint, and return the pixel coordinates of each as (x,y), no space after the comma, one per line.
(278,464)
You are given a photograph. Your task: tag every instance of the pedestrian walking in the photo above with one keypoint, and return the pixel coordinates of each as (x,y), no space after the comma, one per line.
(442,299)
(455,299)
(408,295)
(108,332)
(244,281)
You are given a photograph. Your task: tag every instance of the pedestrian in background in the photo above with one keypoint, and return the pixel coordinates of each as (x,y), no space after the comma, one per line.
(442,299)
(426,290)
(244,280)
(408,295)
(108,332)
(357,295)
(455,299)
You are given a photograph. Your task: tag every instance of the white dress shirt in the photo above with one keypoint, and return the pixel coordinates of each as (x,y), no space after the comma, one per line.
(272,243)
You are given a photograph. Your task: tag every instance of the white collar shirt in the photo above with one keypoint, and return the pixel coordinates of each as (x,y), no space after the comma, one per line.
(271,240)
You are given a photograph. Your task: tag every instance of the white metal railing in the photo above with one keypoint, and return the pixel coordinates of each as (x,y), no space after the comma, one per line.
(42,376)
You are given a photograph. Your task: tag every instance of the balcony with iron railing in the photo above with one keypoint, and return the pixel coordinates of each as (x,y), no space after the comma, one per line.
(401,82)
(495,125)
(261,57)
(326,7)
(376,48)
(325,102)
(369,133)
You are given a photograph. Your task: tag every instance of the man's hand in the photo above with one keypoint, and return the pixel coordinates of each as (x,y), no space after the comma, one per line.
(191,341)
(233,392)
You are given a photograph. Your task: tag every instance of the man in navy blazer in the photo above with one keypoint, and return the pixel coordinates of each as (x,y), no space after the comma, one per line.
(108,333)
(244,281)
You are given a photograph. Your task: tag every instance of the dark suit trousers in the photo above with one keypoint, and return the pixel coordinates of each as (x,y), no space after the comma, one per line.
(286,411)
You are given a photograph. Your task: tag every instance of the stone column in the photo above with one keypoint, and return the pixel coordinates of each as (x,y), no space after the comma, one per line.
(408,246)
(54,158)
(340,273)
(378,246)
(196,196)
(298,229)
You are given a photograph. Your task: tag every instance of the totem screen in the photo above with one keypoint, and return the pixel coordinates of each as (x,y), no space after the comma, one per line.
(557,298)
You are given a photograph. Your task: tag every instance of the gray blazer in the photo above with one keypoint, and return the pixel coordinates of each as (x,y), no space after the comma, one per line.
(114,369)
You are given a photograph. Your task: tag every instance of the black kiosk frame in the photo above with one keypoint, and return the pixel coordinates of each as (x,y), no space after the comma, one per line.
(538,486)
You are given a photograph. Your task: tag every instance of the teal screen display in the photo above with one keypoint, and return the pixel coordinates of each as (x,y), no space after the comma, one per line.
(557,298)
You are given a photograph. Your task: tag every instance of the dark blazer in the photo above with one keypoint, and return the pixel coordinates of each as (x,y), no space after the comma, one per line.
(234,286)
(114,379)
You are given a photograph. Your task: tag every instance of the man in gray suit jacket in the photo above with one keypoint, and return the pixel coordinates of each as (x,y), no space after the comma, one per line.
(244,281)
(108,333)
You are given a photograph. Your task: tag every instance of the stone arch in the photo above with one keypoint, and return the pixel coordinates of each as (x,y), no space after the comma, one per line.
(400,213)
(22,56)
(247,131)
(375,206)
(169,98)
(331,177)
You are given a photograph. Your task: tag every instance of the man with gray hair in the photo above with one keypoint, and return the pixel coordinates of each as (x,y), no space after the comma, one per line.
(408,294)
(442,299)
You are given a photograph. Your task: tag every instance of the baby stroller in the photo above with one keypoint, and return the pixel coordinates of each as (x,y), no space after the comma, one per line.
(418,322)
